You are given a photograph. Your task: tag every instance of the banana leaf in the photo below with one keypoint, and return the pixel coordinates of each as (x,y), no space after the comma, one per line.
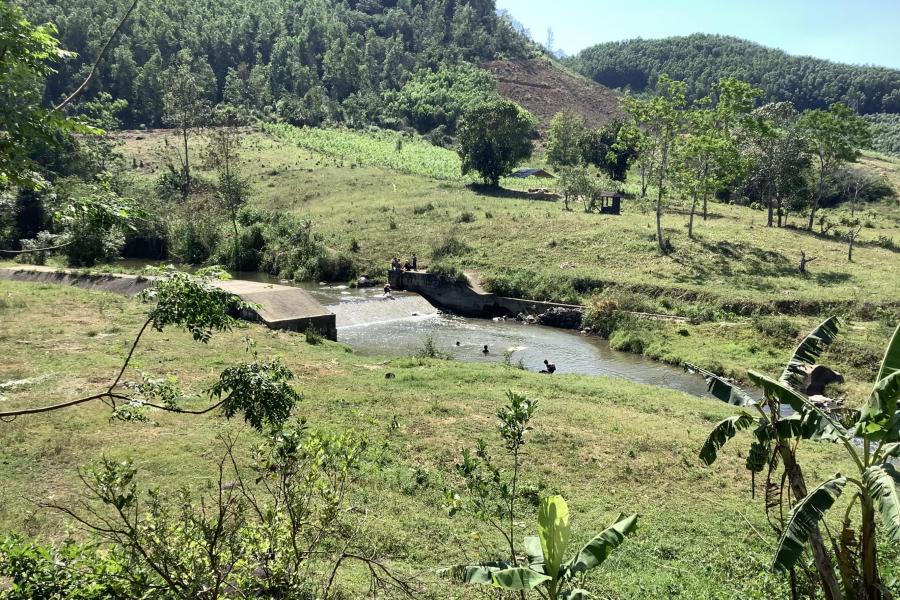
(804,517)
(481,574)
(723,389)
(880,409)
(808,352)
(881,483)
(598,549)
(554,532)
(891,361)
(721,433)
(534,552)
(518,578)
(831,429)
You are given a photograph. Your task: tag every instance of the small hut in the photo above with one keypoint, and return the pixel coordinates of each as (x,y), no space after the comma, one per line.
(610,203)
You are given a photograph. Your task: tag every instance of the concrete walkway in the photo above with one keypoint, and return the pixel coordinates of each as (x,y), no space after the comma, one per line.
(278,306)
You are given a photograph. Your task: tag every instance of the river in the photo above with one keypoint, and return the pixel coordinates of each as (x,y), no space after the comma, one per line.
(399,325)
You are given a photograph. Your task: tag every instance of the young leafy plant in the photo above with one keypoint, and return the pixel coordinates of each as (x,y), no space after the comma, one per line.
(776,438)
(546,570)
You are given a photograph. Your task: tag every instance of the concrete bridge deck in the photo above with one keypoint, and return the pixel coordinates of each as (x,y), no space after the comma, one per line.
(278,306)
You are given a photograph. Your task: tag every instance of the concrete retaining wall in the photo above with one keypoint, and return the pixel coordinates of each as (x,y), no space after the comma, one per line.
(130,285)
(461,299)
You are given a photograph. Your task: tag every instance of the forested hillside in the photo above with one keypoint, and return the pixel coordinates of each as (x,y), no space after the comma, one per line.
(885,132)
(302,60)
(701,60)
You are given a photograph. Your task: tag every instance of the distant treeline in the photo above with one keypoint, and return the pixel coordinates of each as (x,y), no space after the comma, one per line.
(303,60)
(702,60)
(885,132)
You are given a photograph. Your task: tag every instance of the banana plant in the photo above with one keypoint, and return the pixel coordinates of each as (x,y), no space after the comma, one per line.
(545,572)
(874,485)
(775,439)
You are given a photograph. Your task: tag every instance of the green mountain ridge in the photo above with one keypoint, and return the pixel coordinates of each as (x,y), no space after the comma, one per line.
(703,59)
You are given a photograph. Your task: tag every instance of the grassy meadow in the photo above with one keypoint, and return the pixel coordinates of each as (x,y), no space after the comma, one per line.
(731,283)
(700,535)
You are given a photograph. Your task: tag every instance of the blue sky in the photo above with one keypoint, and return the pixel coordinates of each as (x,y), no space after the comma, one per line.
(852,31)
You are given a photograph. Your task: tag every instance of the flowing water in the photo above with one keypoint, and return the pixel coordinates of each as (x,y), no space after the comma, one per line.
(373,324)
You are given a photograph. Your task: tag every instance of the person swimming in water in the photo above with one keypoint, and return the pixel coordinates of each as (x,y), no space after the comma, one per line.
(485,351)
(549,367)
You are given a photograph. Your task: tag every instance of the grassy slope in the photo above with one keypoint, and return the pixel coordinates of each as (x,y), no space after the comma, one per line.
(547,252)
(590,443)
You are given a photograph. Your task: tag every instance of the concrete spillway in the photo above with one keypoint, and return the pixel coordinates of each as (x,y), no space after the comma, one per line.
(278,306)
(381,310)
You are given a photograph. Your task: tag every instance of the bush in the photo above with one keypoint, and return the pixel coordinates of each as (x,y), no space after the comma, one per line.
(313,337)
(423,208)
(192,241)
(430,350)
(779,329)
(449,272)
(91,244)
(601,316)
(465,217)
(449,246)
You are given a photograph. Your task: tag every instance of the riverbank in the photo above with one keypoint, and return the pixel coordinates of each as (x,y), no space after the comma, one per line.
(736,283)
(636,444)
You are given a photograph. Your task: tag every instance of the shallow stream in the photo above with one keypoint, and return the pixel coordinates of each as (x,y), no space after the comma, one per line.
(373,324)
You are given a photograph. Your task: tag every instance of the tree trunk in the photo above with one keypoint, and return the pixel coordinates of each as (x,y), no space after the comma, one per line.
(871,586)
(186,184)
(691,218)
(659,230)
(778,201)
(822,559)
(644,182)
(815,206)
(850,247)
(771,218)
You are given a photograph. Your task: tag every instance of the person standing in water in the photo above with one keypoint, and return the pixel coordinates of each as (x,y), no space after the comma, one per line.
(485,351)
(387,289)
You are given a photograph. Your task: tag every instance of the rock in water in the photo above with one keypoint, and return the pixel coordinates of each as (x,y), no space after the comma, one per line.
(818,377)
(564,318)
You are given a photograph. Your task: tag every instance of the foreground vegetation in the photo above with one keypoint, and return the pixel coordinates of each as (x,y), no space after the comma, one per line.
(699,534)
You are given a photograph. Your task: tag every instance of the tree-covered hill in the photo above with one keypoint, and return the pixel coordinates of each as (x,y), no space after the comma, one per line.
(701,60)
(885,132)
(304,60)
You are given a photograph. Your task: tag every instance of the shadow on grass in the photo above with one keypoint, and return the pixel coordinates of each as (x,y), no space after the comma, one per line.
(731,259)
(831,278)
(500,192)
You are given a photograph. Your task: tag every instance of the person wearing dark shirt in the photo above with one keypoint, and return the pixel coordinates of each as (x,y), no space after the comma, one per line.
(415,261)
(485,351)
(549,367)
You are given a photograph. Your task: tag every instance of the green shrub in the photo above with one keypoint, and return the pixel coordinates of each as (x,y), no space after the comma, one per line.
(449,246)
(423,208)
(781,330)
(602,315)
(313,337)
(449,272)
(465,217)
